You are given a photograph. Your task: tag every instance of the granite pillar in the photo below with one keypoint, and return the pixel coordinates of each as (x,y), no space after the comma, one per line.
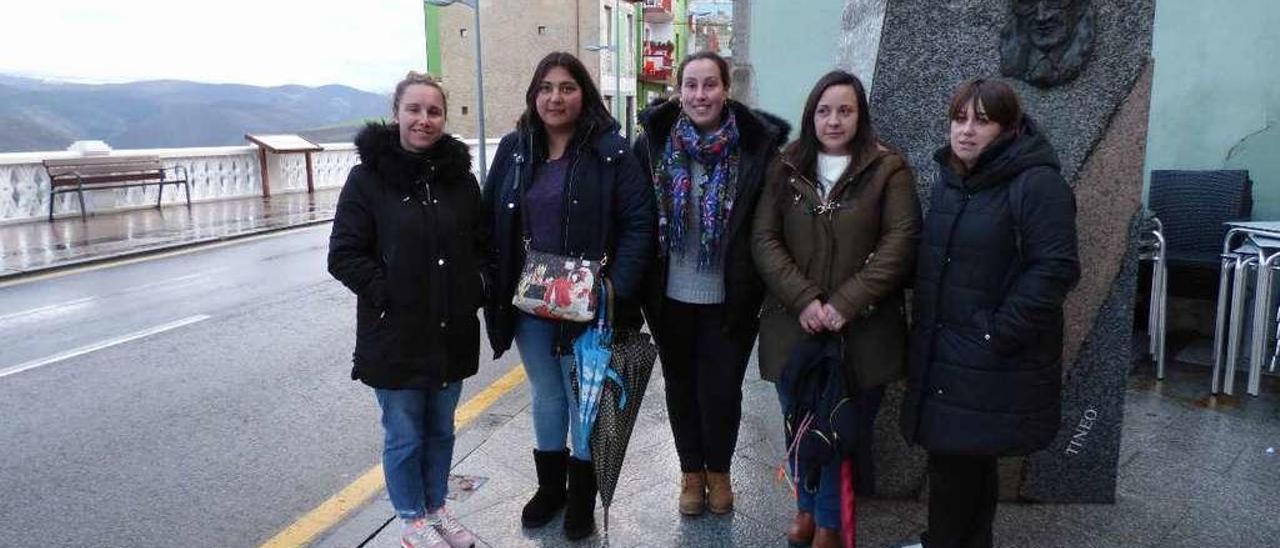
(860,29)
(1095,114)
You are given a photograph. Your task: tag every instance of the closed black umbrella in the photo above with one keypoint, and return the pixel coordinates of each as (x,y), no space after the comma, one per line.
(633,357)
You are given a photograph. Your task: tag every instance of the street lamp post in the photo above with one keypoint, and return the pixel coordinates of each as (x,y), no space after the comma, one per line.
(475,6)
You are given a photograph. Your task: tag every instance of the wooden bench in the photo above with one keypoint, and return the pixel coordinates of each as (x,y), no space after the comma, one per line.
(111,172)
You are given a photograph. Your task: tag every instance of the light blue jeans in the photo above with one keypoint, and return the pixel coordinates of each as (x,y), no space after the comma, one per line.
(555,410)
(418,448)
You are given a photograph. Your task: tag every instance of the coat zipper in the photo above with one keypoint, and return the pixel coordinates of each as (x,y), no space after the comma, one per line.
(432,222)
(568,193)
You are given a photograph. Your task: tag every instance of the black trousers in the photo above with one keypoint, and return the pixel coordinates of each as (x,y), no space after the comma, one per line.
(963,491)
(703,369)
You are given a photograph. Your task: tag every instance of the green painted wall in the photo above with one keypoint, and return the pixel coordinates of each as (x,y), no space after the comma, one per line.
(1215,98)
(791,47)
(431,24)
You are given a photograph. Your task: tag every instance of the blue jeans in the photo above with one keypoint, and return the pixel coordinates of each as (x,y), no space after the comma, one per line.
(418,448)
(555,410)
(825,504)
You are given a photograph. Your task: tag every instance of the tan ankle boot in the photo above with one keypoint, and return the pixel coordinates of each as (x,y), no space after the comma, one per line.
(693,493)
(801,531)
(719,493)
(827,538)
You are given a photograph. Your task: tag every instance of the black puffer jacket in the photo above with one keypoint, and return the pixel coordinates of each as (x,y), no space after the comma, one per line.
(761,136)
(407,239)
(997,259)
(608,210)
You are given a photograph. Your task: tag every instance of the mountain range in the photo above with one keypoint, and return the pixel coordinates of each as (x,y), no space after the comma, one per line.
(40,115)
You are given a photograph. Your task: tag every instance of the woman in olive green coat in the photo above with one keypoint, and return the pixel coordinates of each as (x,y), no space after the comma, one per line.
(834,239)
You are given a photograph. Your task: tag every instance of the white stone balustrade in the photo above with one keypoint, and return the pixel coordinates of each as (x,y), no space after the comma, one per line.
(216,173)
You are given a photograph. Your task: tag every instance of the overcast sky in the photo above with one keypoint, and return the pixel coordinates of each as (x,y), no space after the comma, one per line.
(367,44)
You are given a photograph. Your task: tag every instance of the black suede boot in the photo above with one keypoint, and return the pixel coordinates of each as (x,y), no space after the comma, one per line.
(551,488)
(580,509)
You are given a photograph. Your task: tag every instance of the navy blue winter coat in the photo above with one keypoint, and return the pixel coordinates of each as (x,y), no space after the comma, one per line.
(995,264)
(609,209)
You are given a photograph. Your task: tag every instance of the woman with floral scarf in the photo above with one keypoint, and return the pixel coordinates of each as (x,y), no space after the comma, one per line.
(706,155)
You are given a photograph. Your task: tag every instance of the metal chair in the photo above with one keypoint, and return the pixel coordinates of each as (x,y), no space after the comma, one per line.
(1269,262)
(1260,253)
(1188,210)
(1153,249)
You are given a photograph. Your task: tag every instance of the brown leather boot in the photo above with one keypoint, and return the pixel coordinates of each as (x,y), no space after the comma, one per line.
(719,493)
(826,538)
(693,493)
(801,531)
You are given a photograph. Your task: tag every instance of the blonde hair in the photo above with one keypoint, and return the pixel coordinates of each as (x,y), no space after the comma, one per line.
(415,78)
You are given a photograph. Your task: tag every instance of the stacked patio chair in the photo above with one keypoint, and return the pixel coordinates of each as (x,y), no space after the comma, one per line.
(1184,235)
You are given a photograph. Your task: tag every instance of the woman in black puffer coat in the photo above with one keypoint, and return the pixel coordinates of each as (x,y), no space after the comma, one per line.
(995,264)
(564,182)
(408,241)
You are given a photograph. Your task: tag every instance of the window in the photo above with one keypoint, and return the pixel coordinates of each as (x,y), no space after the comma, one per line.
(608,25)
(631,32)
(542,29)
(464,110)
(462,32)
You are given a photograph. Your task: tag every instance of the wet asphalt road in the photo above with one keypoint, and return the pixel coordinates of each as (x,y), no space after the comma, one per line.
(202,399)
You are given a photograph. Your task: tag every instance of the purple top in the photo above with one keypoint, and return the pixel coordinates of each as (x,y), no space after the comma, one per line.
(544,204)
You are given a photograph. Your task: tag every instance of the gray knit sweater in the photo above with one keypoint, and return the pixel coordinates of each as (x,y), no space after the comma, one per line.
(685,283)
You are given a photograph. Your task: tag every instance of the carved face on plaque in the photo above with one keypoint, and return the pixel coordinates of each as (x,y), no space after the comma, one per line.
(1047,42)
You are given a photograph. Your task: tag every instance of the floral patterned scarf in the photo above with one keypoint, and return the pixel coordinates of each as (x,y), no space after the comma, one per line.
(717,151)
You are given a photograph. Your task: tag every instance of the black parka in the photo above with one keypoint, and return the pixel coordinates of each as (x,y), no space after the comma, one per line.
(761,134)
(608,212)
(995,264)
(408,240)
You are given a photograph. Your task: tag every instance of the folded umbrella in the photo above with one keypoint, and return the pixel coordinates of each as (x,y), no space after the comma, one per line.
(591,353)
(630,366)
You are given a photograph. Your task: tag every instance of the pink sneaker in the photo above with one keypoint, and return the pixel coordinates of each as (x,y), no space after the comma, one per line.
(420,534)
(454,533)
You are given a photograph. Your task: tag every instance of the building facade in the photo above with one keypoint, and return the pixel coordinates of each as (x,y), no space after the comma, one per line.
(664,42)
(516,35)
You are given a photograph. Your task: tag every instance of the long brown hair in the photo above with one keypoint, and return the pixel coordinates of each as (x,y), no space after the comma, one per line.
(803,152)
(593,115)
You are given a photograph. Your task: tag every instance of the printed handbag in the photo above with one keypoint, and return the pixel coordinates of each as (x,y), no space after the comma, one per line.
(558,287)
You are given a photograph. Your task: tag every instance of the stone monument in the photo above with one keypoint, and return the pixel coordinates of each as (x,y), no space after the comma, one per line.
(1083,70)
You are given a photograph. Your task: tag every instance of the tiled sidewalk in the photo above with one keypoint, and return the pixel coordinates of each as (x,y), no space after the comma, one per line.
(1194,472)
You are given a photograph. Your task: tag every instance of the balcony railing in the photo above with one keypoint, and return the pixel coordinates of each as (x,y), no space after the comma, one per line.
(658,61)
(216,173)
(658,11)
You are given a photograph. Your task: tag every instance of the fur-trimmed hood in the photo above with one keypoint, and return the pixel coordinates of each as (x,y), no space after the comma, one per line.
(754,125)
(378,145)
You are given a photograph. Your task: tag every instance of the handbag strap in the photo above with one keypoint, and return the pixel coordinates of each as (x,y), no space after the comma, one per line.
(604,316)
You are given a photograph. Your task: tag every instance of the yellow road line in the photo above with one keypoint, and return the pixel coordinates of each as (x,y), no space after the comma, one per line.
(358,493)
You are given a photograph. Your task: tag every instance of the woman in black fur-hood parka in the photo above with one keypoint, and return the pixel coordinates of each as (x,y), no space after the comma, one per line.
(407,239)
